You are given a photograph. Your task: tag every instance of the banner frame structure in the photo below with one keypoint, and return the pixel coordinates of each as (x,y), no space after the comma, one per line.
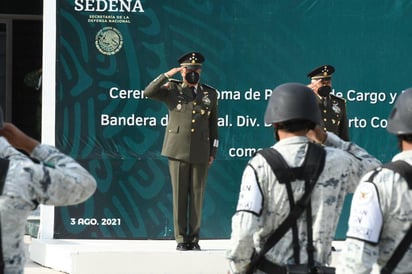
(46,227)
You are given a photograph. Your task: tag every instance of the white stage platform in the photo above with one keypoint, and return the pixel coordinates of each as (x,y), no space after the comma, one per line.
(128,256)
(134,256)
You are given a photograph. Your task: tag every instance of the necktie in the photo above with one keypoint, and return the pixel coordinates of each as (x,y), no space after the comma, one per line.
(193,91)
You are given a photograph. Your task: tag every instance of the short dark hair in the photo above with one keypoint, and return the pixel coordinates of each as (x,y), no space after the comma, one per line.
(406,137)
(295,125)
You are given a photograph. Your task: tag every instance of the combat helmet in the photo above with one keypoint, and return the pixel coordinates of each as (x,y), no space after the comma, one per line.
(400,118)
(292,101)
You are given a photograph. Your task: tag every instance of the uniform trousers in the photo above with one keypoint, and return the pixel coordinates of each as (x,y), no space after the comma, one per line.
(188,186)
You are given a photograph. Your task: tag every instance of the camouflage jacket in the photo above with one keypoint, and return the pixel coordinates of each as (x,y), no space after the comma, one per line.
(381,214)
(263,202)
(56,180)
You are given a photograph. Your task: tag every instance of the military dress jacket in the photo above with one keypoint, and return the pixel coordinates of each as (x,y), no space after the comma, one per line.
(334,117)
(380,216)
(192,131)
(263,202)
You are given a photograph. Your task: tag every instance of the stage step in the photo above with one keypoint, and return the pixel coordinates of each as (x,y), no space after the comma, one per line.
(129,256)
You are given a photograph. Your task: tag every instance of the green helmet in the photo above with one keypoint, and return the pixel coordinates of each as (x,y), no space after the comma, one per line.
(292,101)
(400,119)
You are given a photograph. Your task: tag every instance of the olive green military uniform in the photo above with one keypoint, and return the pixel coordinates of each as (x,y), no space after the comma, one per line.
(333,110)
(191,138)
(332,107)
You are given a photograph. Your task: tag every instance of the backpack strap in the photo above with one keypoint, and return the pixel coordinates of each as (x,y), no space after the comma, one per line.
(310,170)
(405,170)
(278,165)
(398,253)
(285,175)
(313,166)
(4,167)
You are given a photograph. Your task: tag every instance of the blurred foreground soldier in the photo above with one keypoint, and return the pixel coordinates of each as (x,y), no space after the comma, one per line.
(333,108)
(55,180)
(381,210)
(190,142)
(265,200)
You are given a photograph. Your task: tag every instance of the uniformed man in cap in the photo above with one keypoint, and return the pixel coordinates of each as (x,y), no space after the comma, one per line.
(333,108)
(190,142)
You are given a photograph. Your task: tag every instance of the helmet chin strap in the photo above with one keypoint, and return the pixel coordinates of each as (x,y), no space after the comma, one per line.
(400,146)
(276,134)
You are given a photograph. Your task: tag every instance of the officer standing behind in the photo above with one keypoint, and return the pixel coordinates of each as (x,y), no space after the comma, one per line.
(263,201)
(333,108)
(190,142)
(55,179)
(381,211)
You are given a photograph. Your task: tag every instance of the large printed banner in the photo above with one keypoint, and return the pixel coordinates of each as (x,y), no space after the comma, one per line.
(109,50)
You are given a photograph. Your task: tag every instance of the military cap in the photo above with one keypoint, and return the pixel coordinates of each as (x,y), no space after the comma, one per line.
(192,60)
(322,72)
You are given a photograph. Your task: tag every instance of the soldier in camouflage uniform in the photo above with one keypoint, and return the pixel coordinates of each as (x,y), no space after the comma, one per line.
(333,108)
(263,202)
(381,211)
(56,179)
(190,142)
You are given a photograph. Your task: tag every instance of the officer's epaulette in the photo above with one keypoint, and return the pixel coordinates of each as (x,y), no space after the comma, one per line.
(338,98)
(207,86)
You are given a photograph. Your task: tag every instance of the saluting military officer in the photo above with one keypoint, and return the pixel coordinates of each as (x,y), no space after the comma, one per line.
(333,108)
(190,142)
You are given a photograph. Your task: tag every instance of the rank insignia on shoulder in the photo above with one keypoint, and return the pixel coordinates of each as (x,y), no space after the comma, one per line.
(338,98)
(208,86)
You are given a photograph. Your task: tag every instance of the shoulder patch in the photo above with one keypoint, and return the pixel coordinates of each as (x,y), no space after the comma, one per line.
(250,196)
(365,220)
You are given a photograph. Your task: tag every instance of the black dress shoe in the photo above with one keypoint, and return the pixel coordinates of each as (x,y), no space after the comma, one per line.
(194,246)
(182,247)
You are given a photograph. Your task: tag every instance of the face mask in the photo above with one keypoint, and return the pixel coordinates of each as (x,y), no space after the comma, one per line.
(324,91)
(192,77)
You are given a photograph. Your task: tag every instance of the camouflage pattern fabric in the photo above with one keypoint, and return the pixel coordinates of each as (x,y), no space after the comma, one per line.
(56,179)
(394,204)
(263,202)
